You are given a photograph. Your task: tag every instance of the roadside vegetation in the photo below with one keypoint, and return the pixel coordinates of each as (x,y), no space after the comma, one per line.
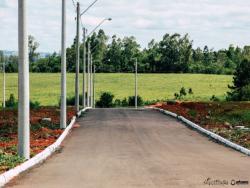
(107,101)
(45,129)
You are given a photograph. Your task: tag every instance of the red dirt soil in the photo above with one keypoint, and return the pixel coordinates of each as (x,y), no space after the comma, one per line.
(204,114)
(41,135)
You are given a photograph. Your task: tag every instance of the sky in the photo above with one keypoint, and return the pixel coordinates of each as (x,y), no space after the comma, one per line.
(216,23)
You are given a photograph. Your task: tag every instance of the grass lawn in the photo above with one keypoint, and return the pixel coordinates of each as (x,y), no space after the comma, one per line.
(45,88)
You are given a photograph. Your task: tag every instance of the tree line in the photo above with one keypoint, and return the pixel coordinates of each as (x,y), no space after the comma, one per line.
(173,54)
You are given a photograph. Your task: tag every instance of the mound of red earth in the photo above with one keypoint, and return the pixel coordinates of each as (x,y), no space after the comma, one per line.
(216,117)
(42,134)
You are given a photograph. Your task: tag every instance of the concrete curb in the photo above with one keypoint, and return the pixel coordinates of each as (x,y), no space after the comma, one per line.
(206,132)
(39,158)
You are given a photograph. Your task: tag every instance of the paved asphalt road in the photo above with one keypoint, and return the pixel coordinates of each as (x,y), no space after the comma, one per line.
(118,148)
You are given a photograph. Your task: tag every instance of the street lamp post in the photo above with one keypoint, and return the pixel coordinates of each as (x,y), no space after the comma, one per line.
(88,94)
(136,88)
(23,83)
(84,70)
(63,116)
(4,84)
(77,58)
(90,77)
(94,87)
(84,103)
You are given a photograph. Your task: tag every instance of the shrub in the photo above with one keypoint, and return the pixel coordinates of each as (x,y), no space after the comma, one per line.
(118,103)
(240,91)
(214,98)
(35,105)
(124,102)
(13,103)
(106,100)
(183,92)
(177,96)
(245,93)
(190,91)
(131,101)
(71,100)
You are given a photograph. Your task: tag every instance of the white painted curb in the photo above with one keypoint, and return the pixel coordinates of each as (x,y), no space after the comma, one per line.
(39,158)
(206,132)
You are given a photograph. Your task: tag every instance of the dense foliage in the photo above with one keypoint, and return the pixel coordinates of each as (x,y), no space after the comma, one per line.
(12,102)
(240,91)
(173,54)
(131,101)
(106,100)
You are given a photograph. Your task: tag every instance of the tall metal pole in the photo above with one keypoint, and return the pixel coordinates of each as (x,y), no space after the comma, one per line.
(136,93)
(91,80)
(88,100)
(63,116)
(77,58)
(94,87)
(84,70)
(23,83)
(4,84)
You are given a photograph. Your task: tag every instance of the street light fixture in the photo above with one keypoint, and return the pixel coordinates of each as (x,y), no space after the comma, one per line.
(104,20)
(90,81)
(84,58)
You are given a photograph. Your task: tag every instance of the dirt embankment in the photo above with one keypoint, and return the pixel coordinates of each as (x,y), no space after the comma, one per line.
(229,120)
(43,133)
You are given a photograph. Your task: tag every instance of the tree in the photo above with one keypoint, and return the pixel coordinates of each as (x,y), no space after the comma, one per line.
(33,45)
(1,57)
(152,56)
(241,83)
(51,64)
(98,44)
(71,57)
(175,52)
(130,50)
(11,64)
(113,56)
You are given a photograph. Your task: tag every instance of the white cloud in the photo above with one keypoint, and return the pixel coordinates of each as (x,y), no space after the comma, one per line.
(212,22)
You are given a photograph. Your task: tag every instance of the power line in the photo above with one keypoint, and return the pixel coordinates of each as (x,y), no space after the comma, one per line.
(88,7)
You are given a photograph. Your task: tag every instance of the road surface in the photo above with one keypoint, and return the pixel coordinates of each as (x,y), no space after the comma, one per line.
(118,148)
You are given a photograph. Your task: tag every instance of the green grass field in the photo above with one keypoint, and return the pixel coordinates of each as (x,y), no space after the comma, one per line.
(45,88)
